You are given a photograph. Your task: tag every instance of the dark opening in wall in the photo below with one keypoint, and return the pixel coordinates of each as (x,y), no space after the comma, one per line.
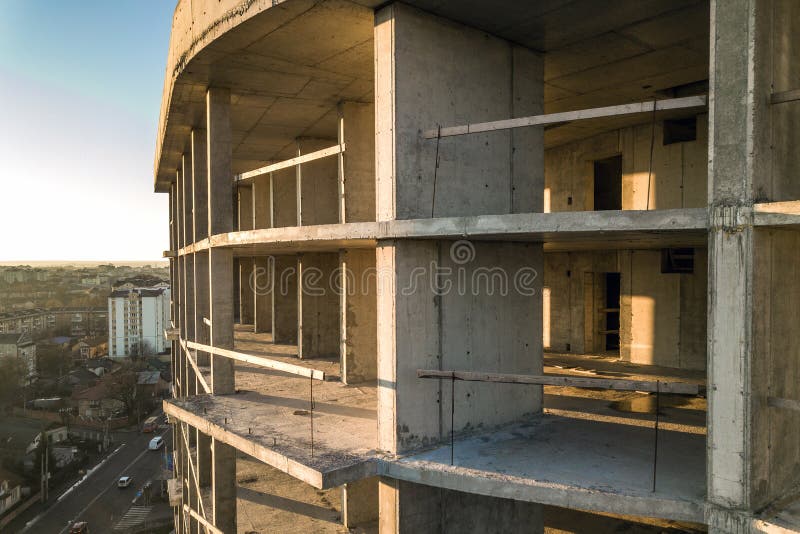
(613,285)
(608,184)
(677,260)
(680,130)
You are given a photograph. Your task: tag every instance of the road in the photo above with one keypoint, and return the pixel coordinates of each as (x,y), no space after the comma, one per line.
(97,499)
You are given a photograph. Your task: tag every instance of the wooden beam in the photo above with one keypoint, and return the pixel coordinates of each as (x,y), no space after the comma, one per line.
(191,360)
(568,116)
(786,404)
(208,525)
(682,388)
(784,96)
(305,158)
(260,361)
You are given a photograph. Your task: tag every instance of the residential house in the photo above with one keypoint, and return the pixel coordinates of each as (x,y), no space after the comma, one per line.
(19,346)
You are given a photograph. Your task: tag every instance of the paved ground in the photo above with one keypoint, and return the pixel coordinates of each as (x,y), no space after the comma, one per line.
(97,499)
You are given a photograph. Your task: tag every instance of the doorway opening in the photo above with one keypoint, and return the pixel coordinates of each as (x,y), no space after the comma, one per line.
(608,184)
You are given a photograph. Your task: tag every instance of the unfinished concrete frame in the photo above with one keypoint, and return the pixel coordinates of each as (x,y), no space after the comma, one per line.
(346,180)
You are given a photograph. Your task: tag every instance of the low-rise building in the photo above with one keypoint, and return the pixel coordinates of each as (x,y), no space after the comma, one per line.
(19,346)
(10,490)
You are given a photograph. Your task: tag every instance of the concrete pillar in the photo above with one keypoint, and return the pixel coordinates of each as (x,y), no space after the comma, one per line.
(284,300)
(246,291)
(262,287)
(754,282)
(178,288)
(318,306)
(187,294)
(425,509)
(220,267)
(200,264)
(360,502)
(224,486)
(358,309)
(203,459)
(435,294)
(357,130)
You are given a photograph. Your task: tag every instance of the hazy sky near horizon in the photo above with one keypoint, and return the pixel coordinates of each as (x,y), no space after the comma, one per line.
(80,92)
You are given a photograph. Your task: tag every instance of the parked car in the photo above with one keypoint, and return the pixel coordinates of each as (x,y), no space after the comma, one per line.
(156,443)
(81,527)
(124,482)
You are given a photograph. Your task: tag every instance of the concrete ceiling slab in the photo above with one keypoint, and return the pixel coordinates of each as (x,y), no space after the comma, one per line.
(288,63)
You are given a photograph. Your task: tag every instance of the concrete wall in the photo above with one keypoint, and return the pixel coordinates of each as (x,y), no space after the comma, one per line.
(359,352)
(359,160)
(429,510)
(284,300)
(284,190)
(662,316)
(450,74)
(320,185)
(678,179)
(318,306)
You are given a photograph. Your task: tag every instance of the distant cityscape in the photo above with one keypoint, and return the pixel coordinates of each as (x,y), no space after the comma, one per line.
(82,354)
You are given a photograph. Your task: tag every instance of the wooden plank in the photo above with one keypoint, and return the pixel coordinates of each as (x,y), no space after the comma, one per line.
(568,116)
(209,527)
(260,361)
(682,388)
(200,378)
(784,96)
(305,158)
(786,404)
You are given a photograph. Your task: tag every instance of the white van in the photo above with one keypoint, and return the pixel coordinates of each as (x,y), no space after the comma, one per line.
(156,443)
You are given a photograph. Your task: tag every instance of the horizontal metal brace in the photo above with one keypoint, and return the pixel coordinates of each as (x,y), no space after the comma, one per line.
(682,388)
(569,116)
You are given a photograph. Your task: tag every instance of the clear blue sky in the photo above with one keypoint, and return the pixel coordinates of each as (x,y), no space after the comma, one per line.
(80,92)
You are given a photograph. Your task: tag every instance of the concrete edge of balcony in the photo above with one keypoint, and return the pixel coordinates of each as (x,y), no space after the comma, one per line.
(580,229)
(326,469)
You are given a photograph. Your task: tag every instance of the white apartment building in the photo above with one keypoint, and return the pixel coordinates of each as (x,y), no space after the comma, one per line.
(136,321)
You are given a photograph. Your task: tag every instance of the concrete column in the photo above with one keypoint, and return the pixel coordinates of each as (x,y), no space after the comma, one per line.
(262,287)
(246,291)
(360,502)
(203,459)
(200,264)
(434,295)
(188,322)
(178,288)
(220,220)
(224,485)
(220,267)
(284,300)
(201,295)
(318,306)
(409,507)
(754,282)
(357,315)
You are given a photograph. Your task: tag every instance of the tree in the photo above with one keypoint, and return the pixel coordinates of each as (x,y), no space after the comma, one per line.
(13,373)
(122,386)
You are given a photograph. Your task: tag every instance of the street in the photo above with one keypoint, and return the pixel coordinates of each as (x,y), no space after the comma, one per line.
(97,499)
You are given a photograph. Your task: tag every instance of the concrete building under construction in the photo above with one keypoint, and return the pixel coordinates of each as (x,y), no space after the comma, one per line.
(458,266)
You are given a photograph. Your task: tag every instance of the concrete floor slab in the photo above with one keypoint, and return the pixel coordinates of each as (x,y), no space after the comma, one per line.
(560,461)
(270,417)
